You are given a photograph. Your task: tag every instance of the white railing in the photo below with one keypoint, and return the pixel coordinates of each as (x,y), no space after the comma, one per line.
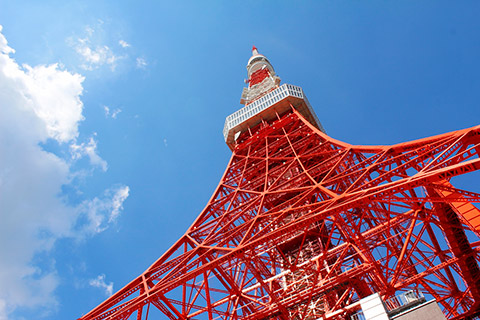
(263,103)
(404,299)
(358,316)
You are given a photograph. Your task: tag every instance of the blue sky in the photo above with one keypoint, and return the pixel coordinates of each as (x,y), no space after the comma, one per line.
(111,117)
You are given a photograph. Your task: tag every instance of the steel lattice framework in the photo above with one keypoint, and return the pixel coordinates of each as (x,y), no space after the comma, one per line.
(302,226)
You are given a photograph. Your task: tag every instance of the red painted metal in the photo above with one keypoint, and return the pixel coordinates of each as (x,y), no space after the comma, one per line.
(302,226)
(258,76)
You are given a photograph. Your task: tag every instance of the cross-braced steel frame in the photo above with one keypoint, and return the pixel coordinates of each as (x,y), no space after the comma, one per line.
(302,226)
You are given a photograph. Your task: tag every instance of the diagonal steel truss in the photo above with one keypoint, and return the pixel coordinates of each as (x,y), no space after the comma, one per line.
(302,226)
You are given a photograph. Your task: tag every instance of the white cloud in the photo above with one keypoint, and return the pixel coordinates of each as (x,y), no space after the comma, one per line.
(93,52)
(141,63)
(54,95)
(89,30)
(40,104)
(99,282)
(124,44)
(3,310)
(99,213)
(113,114)
(119,197)
(4,48)
(88,149)
(36,103)
(95,57)
(96,48)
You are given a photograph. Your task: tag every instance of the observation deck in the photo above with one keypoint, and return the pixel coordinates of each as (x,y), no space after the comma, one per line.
(277,101)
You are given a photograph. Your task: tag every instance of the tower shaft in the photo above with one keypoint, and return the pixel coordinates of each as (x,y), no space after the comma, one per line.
(303,226)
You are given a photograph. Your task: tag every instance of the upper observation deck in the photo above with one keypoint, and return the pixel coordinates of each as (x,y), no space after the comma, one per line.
(266,107)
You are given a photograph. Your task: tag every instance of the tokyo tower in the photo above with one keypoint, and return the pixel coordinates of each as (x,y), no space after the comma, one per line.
(303,226)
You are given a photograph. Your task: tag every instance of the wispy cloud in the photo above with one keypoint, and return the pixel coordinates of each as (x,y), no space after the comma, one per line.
(124,43)
(89,30)
(88,149)
(141,63)
(96,48)
(99,213)
(95,57)
(99,282)
(94,53)
(111,114)
(120,195)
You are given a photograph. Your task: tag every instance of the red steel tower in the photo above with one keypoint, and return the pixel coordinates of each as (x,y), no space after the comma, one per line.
(303,226)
